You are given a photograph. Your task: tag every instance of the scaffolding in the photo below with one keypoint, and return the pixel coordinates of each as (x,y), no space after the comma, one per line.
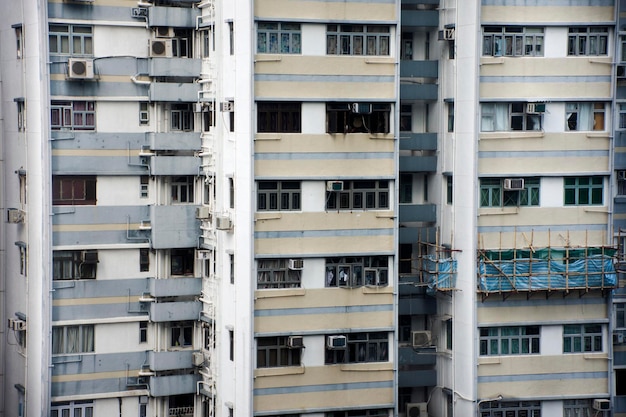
(567,268)
(437,268)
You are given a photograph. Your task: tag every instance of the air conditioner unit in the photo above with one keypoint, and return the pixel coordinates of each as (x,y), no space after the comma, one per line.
(334,185)
(535,107)
(144,116)
(361,108)
(512,184)
(227,106)
(161,48)
(417,410)
(223,223)
(295,342)
(203,254)
(198,358)
(618,337)
(11,323)
(19,325)
(80,69)
(138,12)
(601,404)
(164,32)
(89,256)
(296,264)
(446,34)
(15,215)
(336,342)
(421,338)
(203,212)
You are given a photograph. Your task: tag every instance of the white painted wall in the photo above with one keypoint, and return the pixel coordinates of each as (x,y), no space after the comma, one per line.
(313,39)
(551,340)
(121,41)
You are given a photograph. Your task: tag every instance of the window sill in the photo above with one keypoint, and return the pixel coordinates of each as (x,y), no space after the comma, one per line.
(596,355)
(512,134)
(366,367)
(377,289)
(489,360)
(285,370)
(267,216)
(279,292)
(497,211)
(598,135)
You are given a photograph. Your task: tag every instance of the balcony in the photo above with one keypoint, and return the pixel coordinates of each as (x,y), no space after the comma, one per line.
(414,19)
(161,386)
(174,165)
(174,226)
(419,69)
(175,67)
(168,361)
(184,92)
(178,17)
(417,213)
(418,163)
(427,92)
(418,141)
(175,311)
(174,141)
(175,287)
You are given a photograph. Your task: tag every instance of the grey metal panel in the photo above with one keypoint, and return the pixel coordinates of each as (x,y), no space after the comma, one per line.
(418,91)
(174,165)
(89,11)
(175,67)
(90,288)
(416,2)
(175,141)
(176,17)
(123,308)
(97,140)
(416,305)
(99,237)
(98,215)
(98,165)
(620,160)
(109,65)
(187,92)
(165,361)
(425,378)
(620,139)
(413,234)
(418,141)
(419,18)
(428,69)
(619,404)
(91,88)
(175,287)
(619,358)
(161,386)
(174,227)
(418,163)
(417,213)
(175,311)
(411,356)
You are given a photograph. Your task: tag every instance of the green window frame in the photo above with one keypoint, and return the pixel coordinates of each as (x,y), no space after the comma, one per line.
(583,191)
(578,338)
(279,38)
(510,340)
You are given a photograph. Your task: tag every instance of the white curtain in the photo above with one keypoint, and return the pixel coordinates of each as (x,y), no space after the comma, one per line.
(585,116)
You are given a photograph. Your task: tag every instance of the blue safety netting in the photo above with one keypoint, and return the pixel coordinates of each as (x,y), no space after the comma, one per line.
(440,274)
(530,274)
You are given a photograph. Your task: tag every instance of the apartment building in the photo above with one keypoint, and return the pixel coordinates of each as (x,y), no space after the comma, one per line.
(355,208)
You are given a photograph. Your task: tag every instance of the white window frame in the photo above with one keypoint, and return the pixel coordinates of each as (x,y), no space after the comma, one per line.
(358,40)
(590,111)
(182,189)
(79,346)
(72,409)
(581,43)
(512,41)
(63,42)
(73,115)
(275,273)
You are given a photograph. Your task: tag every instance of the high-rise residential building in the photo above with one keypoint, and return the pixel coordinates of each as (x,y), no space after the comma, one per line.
(313,208)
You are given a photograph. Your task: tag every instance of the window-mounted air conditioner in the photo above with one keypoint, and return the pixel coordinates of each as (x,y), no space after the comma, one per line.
(138,12)
(223,223)
(164,32)
(296,264)
(144,116)
(203,254)
(601,404)
(161,48)
(15,215)
(421,338)
(227,106)
(203,212)
(16,324)
(295,342)
(80,69)
(618,337)
(514,184)
(361,108)
(535,107)
(446,34)
(198,358)
(334,185)
(417,410)
(89,256)
(336,342)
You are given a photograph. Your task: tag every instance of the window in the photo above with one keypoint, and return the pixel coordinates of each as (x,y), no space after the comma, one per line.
(512,41)
(406,118)
(73,115)
(73,191)
(361,347)
(449,334)
(276,273)
(182,43)
(582,338)
(365,194)
(23,248)
(450,116)
(357,271)
(71,40)
(273,352)
(510,409)
(231,192)
(182,261)
(278,38)
(577,408)
(183,189)
(231,264)
(72,408)
(622,115)
(19,40)
(208,116)
(72,339)
(143,332)
(208,41)
(514,340)
(449,189)
(181,334)
(357,40)
(588,41)
(231,345)
(584,116)
(583,191)
(21,114)
(181,117)
(21,177)
(359,413)
(278,195)
(144,260)
(279,117)
(68,264)
(620,315)
(406,53)
(494,194)
(144,114)
(143,406)
(496,117)
(357,117)
(21,399)
(404,329)
(144,182)
(231,38)
(231,116)
(621,183)
(209,336)
(406,188)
